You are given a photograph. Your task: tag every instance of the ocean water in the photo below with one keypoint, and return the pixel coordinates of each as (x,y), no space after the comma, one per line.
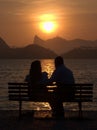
(15,70)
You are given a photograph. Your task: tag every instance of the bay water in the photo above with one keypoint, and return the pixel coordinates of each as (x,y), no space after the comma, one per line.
(15,70)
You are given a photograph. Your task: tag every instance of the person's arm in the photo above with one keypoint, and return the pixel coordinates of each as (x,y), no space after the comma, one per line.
(27,78)
(44,77)
(53,77)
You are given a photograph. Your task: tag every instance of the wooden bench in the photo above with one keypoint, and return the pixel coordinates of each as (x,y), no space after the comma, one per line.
(19,92)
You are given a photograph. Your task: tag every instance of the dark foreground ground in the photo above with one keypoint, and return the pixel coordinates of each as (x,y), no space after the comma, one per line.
(42,120)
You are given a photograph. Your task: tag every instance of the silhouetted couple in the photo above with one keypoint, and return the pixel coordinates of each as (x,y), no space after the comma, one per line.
(61,75)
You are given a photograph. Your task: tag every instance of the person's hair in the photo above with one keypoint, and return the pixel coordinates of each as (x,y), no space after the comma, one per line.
(35,71)
(58,61)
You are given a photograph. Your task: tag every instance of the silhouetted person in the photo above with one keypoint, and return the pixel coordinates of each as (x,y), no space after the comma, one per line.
(35,78)
(61,75)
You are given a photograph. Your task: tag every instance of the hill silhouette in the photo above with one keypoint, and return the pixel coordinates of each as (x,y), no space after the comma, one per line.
(31,51)
(3,44)
(60,45)
(77,48)
(81,53)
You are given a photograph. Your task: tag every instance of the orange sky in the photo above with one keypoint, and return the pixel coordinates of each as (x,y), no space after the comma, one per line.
(20,19)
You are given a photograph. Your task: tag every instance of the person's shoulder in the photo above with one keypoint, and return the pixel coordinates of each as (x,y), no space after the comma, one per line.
(62,67)
(68,69)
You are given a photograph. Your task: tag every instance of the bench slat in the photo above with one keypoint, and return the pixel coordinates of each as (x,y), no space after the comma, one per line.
(17,91)
(23,83)
(77,84)
(26,92)
(44,100)
(17,87)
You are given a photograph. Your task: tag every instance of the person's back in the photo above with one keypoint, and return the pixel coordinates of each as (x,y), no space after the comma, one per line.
(35,79)
(62,76)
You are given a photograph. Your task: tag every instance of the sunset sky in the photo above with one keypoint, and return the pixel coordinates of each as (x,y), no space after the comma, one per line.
(21,20)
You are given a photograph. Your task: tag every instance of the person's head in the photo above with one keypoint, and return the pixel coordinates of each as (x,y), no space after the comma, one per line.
(58,61)
(36,65)
(35,70)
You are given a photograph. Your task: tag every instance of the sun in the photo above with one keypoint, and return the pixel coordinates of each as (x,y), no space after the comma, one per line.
(48,26)
(48,23)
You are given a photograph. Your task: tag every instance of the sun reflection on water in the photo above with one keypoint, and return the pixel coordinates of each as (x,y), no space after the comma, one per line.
(48,66)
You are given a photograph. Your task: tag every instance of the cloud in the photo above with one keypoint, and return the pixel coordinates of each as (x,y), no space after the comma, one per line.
(62,9)
(19,7)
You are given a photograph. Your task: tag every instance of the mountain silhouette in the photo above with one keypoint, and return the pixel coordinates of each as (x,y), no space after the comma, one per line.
(31,51)
(57,44)
(4,48)
(82,53)
(76,48)
(3,44)
(37,40)
(60,45)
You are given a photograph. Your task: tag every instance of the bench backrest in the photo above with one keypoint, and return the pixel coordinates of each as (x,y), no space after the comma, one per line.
(19,91)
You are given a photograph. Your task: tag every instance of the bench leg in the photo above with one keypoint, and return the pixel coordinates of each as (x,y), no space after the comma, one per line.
(80,109)
(20,108)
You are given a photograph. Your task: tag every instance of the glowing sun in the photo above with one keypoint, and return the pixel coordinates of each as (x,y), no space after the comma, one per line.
(48,26)
(48,23)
